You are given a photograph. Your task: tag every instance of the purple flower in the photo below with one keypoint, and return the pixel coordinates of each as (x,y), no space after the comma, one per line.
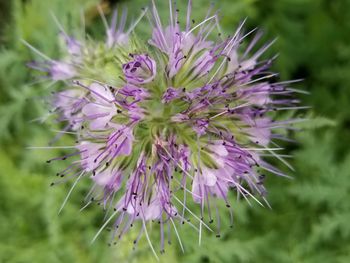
(55,70)
(140,70)
(176,128)
(171,94)
(89,152)
(179,117)
(61,71)
(120,142)
(101,109)
(95,156)
(200,126)
(116,35)
(110,179)
(73,45)
(69,104)
(138,93)
(68,101)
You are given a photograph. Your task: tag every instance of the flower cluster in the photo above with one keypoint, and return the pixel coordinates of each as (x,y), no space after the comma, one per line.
(183,119)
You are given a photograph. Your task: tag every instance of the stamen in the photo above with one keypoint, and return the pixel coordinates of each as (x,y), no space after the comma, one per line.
(69,193)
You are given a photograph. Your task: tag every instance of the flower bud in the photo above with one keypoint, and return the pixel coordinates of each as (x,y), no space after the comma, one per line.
(142,69)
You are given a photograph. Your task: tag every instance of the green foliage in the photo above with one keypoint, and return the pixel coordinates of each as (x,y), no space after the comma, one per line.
(310,214)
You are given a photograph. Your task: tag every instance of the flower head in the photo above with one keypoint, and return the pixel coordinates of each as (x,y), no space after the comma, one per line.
(187,115)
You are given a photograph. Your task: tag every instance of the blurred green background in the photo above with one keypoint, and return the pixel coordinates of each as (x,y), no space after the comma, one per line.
(310,219)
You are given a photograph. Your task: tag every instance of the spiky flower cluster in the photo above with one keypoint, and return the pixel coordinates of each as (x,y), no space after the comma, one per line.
(162,125)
